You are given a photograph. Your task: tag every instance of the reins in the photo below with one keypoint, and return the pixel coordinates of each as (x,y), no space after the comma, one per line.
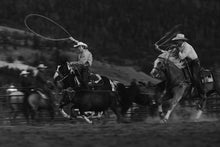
(62,77)
(158,69)
(167,63)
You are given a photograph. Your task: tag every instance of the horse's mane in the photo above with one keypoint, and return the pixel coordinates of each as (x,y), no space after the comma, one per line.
(175,67)
(169,55)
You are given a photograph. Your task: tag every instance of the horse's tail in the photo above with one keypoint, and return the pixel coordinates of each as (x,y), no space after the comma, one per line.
(33,100)
(36,102)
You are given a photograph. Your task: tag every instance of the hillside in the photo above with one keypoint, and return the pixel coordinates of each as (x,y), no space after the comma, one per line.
(123,74)
(26,57)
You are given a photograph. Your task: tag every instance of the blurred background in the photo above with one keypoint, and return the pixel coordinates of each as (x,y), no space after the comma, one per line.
(119,33)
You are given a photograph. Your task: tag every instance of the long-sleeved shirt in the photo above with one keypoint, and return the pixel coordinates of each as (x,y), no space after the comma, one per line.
(84,57)
(187,51)
(40,79)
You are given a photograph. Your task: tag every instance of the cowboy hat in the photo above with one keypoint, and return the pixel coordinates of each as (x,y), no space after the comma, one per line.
(41,66)
(24,72)
(81,44)
(179,37)
(12,88)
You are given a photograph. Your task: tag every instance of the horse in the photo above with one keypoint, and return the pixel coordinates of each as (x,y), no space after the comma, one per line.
(15,101)
(99,98)
(37,101)
(169,69)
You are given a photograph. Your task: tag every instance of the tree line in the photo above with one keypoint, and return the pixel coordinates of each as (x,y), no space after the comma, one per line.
(126,29)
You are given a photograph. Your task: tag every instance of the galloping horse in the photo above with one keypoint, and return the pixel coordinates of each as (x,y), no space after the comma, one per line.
(168,68)
(37,101)
(99,99)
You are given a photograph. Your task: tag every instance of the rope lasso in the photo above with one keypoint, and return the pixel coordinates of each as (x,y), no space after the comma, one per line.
(52,21)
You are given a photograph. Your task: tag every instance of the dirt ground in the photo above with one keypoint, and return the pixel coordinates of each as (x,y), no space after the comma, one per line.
(181,134)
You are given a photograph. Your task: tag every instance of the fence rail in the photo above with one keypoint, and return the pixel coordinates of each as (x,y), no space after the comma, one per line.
(136,112)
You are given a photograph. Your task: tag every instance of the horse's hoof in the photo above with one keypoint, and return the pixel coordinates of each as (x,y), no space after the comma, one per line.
(163,121)
(198,115)
(91,122)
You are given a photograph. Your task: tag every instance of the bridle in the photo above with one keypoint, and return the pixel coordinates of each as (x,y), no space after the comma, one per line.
(61,75)
(160,69)
(70,72)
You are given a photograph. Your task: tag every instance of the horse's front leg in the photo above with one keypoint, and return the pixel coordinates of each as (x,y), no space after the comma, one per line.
(178,94)
(61,105)
(74,112)
(201,106)
(160,103)
(160,111)
(82,113)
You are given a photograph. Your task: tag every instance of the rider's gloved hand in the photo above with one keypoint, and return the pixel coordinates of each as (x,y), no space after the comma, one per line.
(73,63)
(175,53)
(74,40)
(87,64)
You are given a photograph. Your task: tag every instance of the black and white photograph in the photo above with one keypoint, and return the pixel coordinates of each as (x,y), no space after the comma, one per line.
(109,73)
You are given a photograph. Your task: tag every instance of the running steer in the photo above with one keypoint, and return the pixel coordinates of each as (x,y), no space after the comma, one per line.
(88,100)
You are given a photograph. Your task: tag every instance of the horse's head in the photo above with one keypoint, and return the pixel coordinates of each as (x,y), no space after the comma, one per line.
(64,77)
(168,66)
(61,72)
(159,68)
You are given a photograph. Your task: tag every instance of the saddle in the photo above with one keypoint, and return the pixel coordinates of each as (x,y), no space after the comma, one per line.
(207,78)
(40,92)
(95,80)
